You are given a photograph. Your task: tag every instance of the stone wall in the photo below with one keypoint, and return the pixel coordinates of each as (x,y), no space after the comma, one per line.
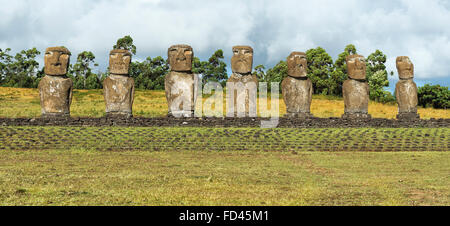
(227,122)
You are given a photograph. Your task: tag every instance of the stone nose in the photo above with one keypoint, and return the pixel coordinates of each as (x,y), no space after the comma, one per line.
(57,58)
(181,56)
(359,64)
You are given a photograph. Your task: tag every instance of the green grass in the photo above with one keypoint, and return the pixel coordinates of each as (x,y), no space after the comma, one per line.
(89,177)
(225,139)
(224,166)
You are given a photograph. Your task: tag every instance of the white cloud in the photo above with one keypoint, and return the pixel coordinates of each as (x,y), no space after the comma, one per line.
(414,28)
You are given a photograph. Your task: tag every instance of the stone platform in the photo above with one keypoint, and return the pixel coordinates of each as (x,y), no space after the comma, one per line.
(283,122)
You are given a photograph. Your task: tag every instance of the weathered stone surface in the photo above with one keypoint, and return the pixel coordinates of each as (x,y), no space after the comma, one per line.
(180,57)
(356,90)
(406,89)
(55,89)
(297,64)
(181,90)
(244,88)
(55,95)
(118,88)
(242,59)
(180,83)
(297,95)
(405,67)
(118,91)
(356,67)
(56,61)
(406,94)
(242,85)
(119,61)
(356,99)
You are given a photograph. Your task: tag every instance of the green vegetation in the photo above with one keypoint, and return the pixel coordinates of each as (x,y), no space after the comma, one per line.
(377,77)
(435,96)
(225,139)
(87,177)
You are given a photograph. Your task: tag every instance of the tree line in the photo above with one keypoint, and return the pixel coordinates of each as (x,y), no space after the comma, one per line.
(22,70)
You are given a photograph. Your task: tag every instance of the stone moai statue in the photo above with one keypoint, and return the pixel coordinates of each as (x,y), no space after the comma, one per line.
(242,83)
(118,87)
(356,89)
(406,89)
(55,88)
(296,87)
(180,83)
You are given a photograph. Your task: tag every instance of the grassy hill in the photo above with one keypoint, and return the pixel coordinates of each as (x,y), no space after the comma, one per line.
(24,102)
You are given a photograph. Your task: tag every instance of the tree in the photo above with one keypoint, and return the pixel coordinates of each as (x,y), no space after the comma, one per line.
(276,74)
(320,68)
(125,43)
(5,61)
(377,77)
(216,69)
(260,73)
(435,96)
(339,75)
(83,78)
(150,73)
(21,70)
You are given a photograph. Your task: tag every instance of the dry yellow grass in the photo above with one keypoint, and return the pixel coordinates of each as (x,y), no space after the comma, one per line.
(24,102)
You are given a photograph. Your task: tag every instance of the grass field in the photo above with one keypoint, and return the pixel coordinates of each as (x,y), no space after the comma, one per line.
(87,177)
(225,139)
(224,166)
(23,102)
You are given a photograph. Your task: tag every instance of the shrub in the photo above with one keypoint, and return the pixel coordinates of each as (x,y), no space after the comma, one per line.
(435,96)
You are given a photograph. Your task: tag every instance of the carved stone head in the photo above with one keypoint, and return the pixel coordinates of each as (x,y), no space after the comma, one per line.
(405,67)
(56,60)
(180,57)
(242,59)
(119,61)
(356,66)
(297,65)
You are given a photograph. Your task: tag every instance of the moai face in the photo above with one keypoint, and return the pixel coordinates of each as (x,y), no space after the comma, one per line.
(356,66)
(119,61)
(56,61)
(297,65)
(405,67)
(180,57)
(242,59)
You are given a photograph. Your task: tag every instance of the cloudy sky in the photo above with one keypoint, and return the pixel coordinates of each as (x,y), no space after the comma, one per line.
(415,28)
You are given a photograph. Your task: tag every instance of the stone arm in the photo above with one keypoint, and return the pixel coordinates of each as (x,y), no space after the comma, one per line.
(40,92)
(311,91)
(132,92)
(415,95)
(397,97)
(104,90)
(70,93)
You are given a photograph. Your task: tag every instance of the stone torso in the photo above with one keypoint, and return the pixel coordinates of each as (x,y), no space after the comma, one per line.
(55,95)
(242,96)
(297,94)
(406,94)
(356,96)
(180,91)
(119,94)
